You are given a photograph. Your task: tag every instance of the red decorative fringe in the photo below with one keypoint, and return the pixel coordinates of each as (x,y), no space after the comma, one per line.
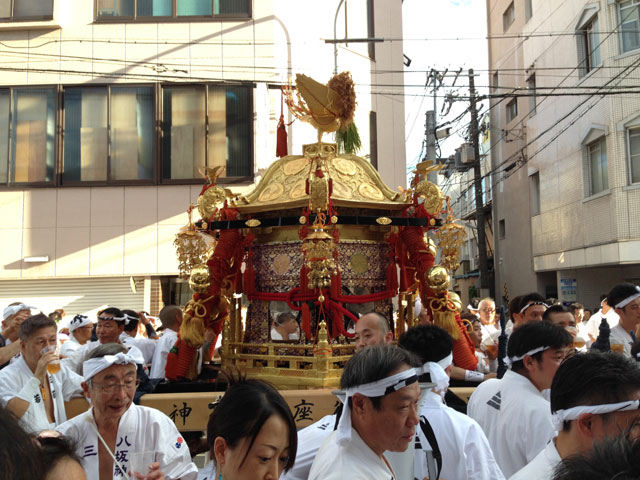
(281,139)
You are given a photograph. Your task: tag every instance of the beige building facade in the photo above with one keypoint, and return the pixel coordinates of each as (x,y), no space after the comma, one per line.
(565,146)
(108,109)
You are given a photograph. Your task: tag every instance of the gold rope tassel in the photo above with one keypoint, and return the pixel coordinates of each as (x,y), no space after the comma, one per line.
(447,321)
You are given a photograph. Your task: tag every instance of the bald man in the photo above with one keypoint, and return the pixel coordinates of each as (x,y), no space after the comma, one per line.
(371,329)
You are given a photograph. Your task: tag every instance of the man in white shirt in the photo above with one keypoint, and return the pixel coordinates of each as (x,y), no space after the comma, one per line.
(12,316)
(171,318)
(371,329)
(27,389)
(625,298)
(79,333)
(114,428)
(593,396)
(465,450)
(512,411)
(606,311)
(130,337)
(380,414)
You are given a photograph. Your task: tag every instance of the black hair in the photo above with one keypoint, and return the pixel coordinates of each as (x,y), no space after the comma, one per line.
(283,317)
(514,306)
(133,320)
(557,308)
(428,342)
(528,298)
(54,449)
(575,306)
(116,312)
(594,379)
(244,409)
(20,457)
(532,335)
(375,363)
(32,324)
(107,349)
(620,292)
(614,458)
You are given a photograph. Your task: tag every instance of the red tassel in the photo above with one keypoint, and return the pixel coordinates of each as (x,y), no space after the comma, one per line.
(305,324)
(392,276)
(336,285)
(304,271)
(281,139)
(178,360)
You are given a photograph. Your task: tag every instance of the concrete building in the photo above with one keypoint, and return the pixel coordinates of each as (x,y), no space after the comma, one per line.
(566,167)
(108,108)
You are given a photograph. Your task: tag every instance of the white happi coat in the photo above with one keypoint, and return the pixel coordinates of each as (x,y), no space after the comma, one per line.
(164,344)
(310,440)
(465,450)
(69,347)
(141,429)
(355,461)
(515,417)
(77,358)
(541,467)
(145,345)
(17,380)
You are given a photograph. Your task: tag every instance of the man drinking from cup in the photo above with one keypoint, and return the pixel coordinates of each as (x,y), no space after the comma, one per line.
(109,434)
(28,386)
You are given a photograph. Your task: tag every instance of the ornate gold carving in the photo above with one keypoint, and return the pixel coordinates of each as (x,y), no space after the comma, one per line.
(319,193)
(334,219)
(368,190)
(209,200)
(438,278)
(281,264)
(341,190)
(253,222)
(344,166)
(433,198)
(298,190)
(302,220)
(383,220)
(295,166)
(359,263)
(199,280)
(271,192)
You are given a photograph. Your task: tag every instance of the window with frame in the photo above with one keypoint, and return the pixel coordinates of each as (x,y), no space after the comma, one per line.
(24,10)
(154,9)
(528,10)
(512,109)
(27,135)
(108,134)
(633,147)
(206,125)
(598,166)
(629,21)
(508,17)
(534,193)
(496,81)
(588,38)
(502,230)
(531,86)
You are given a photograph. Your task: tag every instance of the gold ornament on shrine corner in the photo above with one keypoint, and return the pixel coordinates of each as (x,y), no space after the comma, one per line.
(193,247)
(438,278)
(253,222)
(383,220)
(319,248)
(455,301)
(450,236)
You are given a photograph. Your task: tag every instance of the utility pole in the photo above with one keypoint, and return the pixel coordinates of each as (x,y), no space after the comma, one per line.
(477,177)
(430,134)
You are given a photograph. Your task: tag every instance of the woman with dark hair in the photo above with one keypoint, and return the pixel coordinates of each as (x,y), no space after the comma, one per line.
(251,432)
(20,458)
(60,458)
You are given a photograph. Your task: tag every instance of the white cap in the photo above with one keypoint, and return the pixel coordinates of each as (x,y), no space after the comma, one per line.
(13,309)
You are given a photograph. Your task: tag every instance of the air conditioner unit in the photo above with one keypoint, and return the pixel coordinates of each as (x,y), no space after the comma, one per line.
(466,266)
(464,157)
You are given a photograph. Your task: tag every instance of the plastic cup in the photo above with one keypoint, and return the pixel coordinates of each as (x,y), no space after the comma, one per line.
(617,347)
(54,366)
(139,462)
(492,349)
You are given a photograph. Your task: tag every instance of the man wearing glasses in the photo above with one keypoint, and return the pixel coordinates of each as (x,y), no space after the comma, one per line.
(114,430)
(593,396)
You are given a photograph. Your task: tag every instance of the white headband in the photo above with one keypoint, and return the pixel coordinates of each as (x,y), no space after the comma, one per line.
(511,360)
(629,299)
(436,371)
(531,304)
(94,366)
(561,416)
(79,321)
(13,309)
(374,389)
(125,318)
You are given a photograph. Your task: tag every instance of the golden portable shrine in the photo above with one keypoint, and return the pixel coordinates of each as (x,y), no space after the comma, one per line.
(319,241)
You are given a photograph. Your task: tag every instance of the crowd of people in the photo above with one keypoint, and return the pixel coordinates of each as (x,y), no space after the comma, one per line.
(567,405)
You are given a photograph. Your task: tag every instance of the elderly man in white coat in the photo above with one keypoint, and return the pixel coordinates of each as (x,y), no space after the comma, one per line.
(171,318)
(114,429)
(593,396)
(465,450)
(80,328)
(27,388)
(512,411)
(380,414)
